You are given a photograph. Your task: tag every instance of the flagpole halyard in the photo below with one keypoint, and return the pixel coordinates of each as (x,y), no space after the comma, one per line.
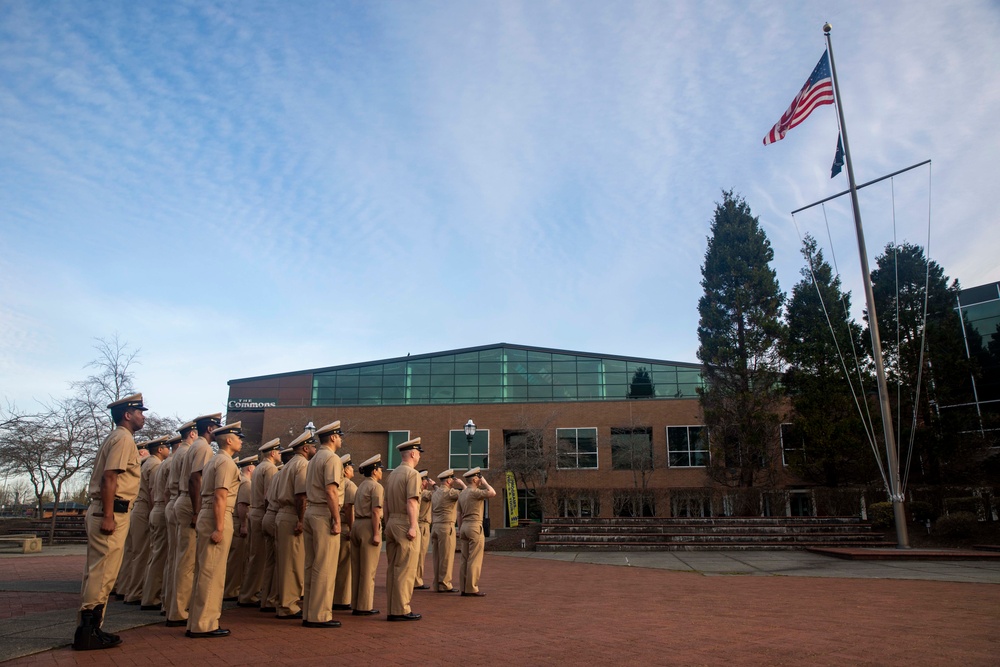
(895,493)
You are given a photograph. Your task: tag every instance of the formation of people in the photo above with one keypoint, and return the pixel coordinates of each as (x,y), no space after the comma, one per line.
(287,530)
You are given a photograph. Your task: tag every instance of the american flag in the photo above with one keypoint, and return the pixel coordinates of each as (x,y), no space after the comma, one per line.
(817,91)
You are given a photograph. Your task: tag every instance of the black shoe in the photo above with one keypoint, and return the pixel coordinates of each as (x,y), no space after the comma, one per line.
(232,599)
(473,595)
(321,624)
(341,607)
(88,636)
(365,612)
(106,637)
(425,587)
(218,632)
(404,617)
(176,624)
(290,617)
(450,590)
(268,610)
(150,607)
(133,601)
(248,604)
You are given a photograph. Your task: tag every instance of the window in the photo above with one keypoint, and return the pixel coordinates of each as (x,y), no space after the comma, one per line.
(528,506)
(577,447)
(633,503)
(632,448)
(690,504)
(793,446)
(465,455)
(687,446)
(395,438)
(579,505)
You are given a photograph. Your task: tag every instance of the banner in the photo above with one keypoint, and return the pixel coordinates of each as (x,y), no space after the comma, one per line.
(511,500)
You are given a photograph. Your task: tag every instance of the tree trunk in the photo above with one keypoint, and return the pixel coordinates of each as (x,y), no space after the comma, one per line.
(55,513)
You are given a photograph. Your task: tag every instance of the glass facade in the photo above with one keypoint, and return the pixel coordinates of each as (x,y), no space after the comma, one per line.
(464,454)
(503,374)
(979,308)
(577,447)
(687,447)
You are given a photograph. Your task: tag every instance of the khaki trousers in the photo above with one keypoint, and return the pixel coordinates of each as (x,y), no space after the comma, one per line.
(253,577)
(471,564)
(104,556)
(343,588)
(425,543)
(185,553)
(236,563)
(168,565)
(138,558)
(119,587)
(290,562)
(269,579)
(402,555)
(206,601)
(364,561)
(443,538)
(321,552)
(152,585)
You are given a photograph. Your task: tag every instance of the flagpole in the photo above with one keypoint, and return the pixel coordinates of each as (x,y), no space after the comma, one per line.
(902,539)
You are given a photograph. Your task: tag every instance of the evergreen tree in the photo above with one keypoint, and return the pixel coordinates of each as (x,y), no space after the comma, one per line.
(817,351)
(900,281)
(738,331)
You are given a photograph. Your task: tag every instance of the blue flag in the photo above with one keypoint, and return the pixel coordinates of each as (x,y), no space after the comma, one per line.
(838,159)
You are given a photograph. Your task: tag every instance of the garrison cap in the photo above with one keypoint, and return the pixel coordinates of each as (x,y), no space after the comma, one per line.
(214,418)
(248,461)
(155,443)
(413,443)
(174,439)
(235,429)
(333,427)
(446,474)
(269,445)
(187,426)
(346,460)
(129,402)
(474,471)
(304,438)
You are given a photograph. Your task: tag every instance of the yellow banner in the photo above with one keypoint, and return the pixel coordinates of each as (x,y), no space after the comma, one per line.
(511,500)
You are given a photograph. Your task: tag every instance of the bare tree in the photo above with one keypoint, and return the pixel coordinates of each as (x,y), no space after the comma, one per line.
(528,453)
(73,446)
(23,448)
(113,378)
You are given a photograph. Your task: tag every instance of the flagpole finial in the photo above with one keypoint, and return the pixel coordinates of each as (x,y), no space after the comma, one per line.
(827,28)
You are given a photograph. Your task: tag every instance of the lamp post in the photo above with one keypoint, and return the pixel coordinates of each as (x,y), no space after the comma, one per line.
(470,433)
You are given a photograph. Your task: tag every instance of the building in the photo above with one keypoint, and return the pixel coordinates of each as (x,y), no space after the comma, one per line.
(979,308)
(585,434)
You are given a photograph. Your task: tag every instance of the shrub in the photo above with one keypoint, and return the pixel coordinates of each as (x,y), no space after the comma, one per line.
(956,524)
(880,514)
(967,504)
(922,511)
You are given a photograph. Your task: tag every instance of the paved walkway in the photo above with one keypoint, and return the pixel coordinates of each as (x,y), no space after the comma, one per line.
(675,608)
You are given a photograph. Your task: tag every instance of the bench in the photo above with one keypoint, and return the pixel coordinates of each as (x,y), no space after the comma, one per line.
(28,543)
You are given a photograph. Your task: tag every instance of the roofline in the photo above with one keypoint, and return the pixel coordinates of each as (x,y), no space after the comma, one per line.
(428,355)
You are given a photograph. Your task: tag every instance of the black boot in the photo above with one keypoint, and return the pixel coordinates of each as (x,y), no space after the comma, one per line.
(106,637)
(87,637)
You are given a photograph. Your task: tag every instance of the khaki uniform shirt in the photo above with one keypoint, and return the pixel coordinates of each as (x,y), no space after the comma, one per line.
(292,481)
(424,513)
(324,469)
(176,460)
(369,495)
(117,452)
(220,472)
(194,461)
(272,490)
(470,504)
(403,484)
(350,493)
(261,481)
(161,479)
(443,503)
(246,486)
(149,468)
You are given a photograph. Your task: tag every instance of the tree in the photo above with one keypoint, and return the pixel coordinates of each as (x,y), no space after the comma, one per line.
(826,378)
(529,456)
(632,449)
(903,277)
(738,330)
(641,385)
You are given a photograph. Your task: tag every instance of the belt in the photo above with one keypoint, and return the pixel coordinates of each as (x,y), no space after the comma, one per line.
(357,518)
(399,515)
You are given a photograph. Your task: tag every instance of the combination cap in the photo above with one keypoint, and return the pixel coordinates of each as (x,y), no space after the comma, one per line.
(129,402)
(413,443)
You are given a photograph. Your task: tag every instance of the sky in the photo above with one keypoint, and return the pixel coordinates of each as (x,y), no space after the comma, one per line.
(245,188)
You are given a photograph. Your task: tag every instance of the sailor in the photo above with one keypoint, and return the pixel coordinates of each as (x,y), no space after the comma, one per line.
(114,484)
(366,537)
(189,433)
(152,587)
(289,527)
(324,477)
(342,591)
(470,529)
(260,482)
(236,563)
(402,538)
(424,523)
(138,531)
(443,505)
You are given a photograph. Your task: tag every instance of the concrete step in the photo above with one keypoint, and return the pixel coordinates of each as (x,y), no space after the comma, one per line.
(698,546)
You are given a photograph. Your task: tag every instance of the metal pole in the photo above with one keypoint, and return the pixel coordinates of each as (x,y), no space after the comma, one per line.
(902,539)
